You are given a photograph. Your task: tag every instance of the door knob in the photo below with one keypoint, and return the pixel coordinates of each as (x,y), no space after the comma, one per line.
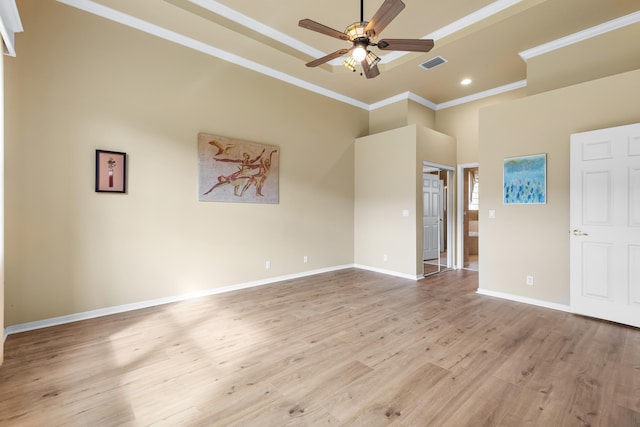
(577,232)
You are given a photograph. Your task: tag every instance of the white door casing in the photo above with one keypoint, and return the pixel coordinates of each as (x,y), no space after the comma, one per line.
(605,224)
(431,216)
(441,213)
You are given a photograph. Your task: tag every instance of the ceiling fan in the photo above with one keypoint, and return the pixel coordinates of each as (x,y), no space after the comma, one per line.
(362,34)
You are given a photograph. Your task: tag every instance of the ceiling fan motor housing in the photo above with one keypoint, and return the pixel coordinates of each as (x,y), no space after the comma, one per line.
(356,31)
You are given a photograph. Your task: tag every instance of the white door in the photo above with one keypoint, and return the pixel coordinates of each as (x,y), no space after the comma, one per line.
(431,216)
(605,224)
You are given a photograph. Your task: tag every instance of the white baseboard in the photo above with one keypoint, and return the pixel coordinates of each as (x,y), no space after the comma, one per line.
(525,300)
(388,272)
(45,323)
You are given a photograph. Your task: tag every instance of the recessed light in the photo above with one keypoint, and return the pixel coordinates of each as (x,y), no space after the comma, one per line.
(465,82)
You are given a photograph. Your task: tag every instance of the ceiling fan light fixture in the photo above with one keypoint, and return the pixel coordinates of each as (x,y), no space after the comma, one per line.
(350,63)
(355,31)
(359,53)
(372,59)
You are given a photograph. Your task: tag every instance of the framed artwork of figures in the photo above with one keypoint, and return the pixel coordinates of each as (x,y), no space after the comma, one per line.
(236,171)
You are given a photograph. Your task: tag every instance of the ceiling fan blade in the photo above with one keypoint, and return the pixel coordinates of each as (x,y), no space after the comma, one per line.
(327,58)
(410,45)
(322,29)
(370,72)
(387,12)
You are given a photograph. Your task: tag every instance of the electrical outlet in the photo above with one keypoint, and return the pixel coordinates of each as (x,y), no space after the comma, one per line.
(385,257)
(530,280)
(267,265)
(305,259)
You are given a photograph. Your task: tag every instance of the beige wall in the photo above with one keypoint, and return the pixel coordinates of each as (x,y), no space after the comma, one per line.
(81,83)
(534,239)
(611,53)
(462,122)
(393,116)
(420,115)
(400,114)
(435,147)
(2,226)
(385,185)
(388,180)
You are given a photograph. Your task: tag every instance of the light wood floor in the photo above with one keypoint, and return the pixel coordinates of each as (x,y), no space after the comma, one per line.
(349,348)
(436,265)
(472,263)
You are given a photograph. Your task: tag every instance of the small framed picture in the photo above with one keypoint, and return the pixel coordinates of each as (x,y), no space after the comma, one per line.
(111,171)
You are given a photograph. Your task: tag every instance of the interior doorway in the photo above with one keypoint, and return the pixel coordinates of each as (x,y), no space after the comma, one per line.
(469,224)
(436,219)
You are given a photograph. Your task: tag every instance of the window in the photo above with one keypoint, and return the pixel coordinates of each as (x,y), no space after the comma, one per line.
(474,190)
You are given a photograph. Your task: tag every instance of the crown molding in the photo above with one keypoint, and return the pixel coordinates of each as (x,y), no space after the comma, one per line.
(614,24)
(402,97)
(422,101)
(257,26)
(130,21)
(10,24)
(425,102)
(144,26)
(472,19)
(459,25)
(480,95)
(250,23)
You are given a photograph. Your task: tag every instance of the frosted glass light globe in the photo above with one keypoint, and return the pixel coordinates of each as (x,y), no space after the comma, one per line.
(359,53)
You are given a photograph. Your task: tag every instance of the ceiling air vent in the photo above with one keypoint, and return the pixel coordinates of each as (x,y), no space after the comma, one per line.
(434,62)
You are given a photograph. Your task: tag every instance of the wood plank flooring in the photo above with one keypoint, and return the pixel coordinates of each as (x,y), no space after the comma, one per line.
(348,348)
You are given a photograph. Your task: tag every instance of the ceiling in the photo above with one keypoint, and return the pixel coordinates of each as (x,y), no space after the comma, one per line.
(483,40)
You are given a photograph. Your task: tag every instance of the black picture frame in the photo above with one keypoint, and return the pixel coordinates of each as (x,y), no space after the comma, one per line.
(111,171)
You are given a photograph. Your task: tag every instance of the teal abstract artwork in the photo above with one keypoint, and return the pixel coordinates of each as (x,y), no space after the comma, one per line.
(525,180)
